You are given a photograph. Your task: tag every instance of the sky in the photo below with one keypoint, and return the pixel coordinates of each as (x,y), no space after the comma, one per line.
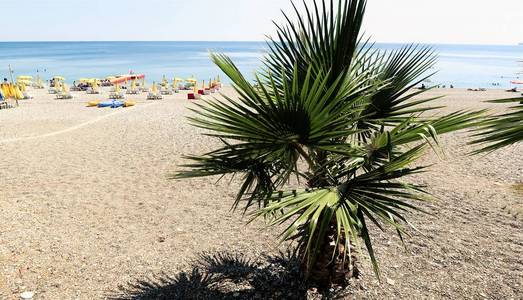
(424,21)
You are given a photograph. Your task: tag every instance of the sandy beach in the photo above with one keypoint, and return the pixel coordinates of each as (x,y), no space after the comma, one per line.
(86,206)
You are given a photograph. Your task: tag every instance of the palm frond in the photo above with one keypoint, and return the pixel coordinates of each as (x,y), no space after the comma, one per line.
(501,130)
(374,195)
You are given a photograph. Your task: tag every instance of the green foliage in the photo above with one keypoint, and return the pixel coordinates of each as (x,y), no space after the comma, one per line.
(501,130)
(338,115)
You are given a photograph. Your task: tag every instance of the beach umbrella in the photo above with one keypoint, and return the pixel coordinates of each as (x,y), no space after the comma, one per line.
(22,86)
(12,92)
(203,85)
(59,78)
(64,88)
(143,82)
(133,85)
(17,93)
(5,90)
(154,89)
(116,88)
(94,85)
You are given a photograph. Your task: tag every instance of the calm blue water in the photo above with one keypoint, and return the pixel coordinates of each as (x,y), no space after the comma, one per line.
(460,65)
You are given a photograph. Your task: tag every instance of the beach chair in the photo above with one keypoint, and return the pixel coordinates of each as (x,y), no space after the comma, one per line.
(132,90)
(116,95)
(90,90)
(27,96)
(154,96)
(3,103)
(166,91)
(64,93)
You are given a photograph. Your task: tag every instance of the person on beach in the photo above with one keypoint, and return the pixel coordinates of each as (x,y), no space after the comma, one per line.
(5,81)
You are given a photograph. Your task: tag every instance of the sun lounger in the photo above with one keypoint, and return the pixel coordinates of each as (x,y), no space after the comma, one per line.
(90,90)
(4,104)
(153,96)
(114,95)
(166,91)
(27,96)
(65,95)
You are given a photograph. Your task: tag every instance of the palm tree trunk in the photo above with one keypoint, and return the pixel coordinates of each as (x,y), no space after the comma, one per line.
(329,269)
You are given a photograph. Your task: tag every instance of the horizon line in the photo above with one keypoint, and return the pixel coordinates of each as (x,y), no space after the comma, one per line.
(236,41)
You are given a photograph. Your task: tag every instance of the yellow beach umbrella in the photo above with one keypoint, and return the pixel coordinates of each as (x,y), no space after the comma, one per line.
(154,89)
(22,87)
(5,90)
(24,77)
(203,85)
(64,88)
(94,84)
(59,78)
(17,93)
(117,88)
(133,85)
(143,82)
(11,91)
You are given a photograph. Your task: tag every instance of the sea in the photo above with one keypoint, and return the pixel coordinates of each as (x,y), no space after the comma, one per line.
(463,66)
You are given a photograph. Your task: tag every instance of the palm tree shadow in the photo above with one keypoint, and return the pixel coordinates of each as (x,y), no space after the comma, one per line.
(225,276)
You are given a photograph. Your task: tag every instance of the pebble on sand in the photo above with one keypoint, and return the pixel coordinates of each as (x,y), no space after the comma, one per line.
(27,295)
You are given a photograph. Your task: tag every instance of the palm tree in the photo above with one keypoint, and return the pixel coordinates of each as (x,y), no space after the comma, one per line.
(501,130)
(327,137)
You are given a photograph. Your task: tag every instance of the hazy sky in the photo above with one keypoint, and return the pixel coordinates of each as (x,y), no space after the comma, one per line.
(431,21)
